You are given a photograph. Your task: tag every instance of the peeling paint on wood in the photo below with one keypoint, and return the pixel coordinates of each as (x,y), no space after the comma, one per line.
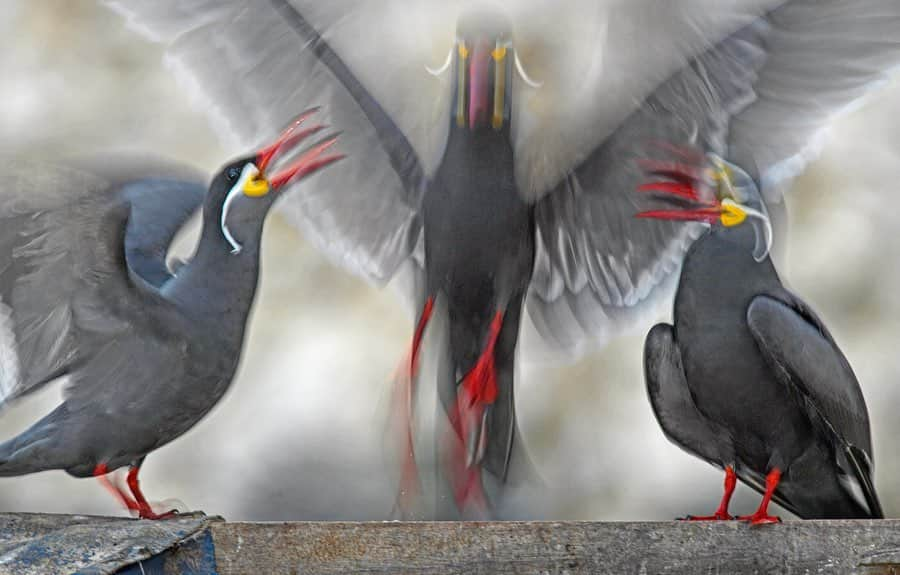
(44,544)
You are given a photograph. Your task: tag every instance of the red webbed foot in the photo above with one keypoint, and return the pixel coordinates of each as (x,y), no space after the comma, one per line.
(721,513)
(145,510)
(717,516)
(136,502)
(762,517)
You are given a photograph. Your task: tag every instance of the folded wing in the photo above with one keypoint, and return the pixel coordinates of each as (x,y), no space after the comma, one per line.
(806,358)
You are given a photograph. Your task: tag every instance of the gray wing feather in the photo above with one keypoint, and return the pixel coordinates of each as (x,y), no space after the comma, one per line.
(822,58)
(48,232)
(760,97)
(259,66)
(672,404)
(65,283)
(805,355)
(162,195)
(254,67)
(595,259)
(159,209)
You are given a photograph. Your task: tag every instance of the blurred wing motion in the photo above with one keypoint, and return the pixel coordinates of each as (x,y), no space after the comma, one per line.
(365,64)
(758,98)
(257,67)
(803,354)
(753,80)
(74,253)
(595,260)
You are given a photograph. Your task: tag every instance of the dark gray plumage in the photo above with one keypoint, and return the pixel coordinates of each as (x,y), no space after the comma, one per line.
(749,379)
(86,295)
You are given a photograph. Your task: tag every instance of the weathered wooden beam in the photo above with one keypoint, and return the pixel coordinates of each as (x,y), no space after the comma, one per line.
(840,547)
(199,545)
(45,544)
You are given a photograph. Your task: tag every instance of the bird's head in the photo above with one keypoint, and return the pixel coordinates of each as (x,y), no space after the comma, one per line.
(242,192)
(482,62)
(723,196)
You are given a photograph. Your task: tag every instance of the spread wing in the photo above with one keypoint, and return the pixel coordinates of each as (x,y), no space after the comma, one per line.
(757,98)
(364,62)
(162,194)
(595,260)
(256,67)
(66,287)
(806,358)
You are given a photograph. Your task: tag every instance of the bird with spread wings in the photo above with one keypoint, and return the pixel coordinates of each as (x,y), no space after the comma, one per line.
(494,152)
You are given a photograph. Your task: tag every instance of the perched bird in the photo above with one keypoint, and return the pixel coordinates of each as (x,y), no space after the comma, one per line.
(496,177)
(748,377)
(85,294)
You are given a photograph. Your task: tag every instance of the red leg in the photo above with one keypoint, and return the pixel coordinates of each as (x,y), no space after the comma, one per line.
(478,390)
(144,509)
(409,478)
(762,517)
(100,472)
(721,513)
(419,334)
(466,482)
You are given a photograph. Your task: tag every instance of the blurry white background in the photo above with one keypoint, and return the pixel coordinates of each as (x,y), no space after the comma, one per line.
(300,434)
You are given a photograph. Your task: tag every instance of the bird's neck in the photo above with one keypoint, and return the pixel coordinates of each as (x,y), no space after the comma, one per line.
(483,138)
(483,157)
(719,270)
(216,285)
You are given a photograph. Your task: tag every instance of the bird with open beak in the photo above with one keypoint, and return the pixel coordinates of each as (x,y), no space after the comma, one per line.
(85,294)
(495,156)
(748,377)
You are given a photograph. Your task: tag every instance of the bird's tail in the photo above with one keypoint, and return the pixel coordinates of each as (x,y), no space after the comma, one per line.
(819,491)
(486,455)
(861,470)
(461,425)
(34,449)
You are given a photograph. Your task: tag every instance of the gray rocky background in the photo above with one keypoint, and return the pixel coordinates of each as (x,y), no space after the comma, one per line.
(300,434)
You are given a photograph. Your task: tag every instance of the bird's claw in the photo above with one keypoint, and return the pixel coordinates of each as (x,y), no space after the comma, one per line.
(153,516)
(717,516)
(760,519)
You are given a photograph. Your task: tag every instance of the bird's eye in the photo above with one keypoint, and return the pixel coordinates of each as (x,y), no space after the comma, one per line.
(233,173)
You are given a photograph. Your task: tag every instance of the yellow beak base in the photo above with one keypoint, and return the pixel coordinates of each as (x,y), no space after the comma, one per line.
(256,187)
(732,214)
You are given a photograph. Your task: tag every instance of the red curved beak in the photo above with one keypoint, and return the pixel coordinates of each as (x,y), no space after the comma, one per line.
(682,180)
(479,82)
(310,161)
(288,138)
(708,215)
